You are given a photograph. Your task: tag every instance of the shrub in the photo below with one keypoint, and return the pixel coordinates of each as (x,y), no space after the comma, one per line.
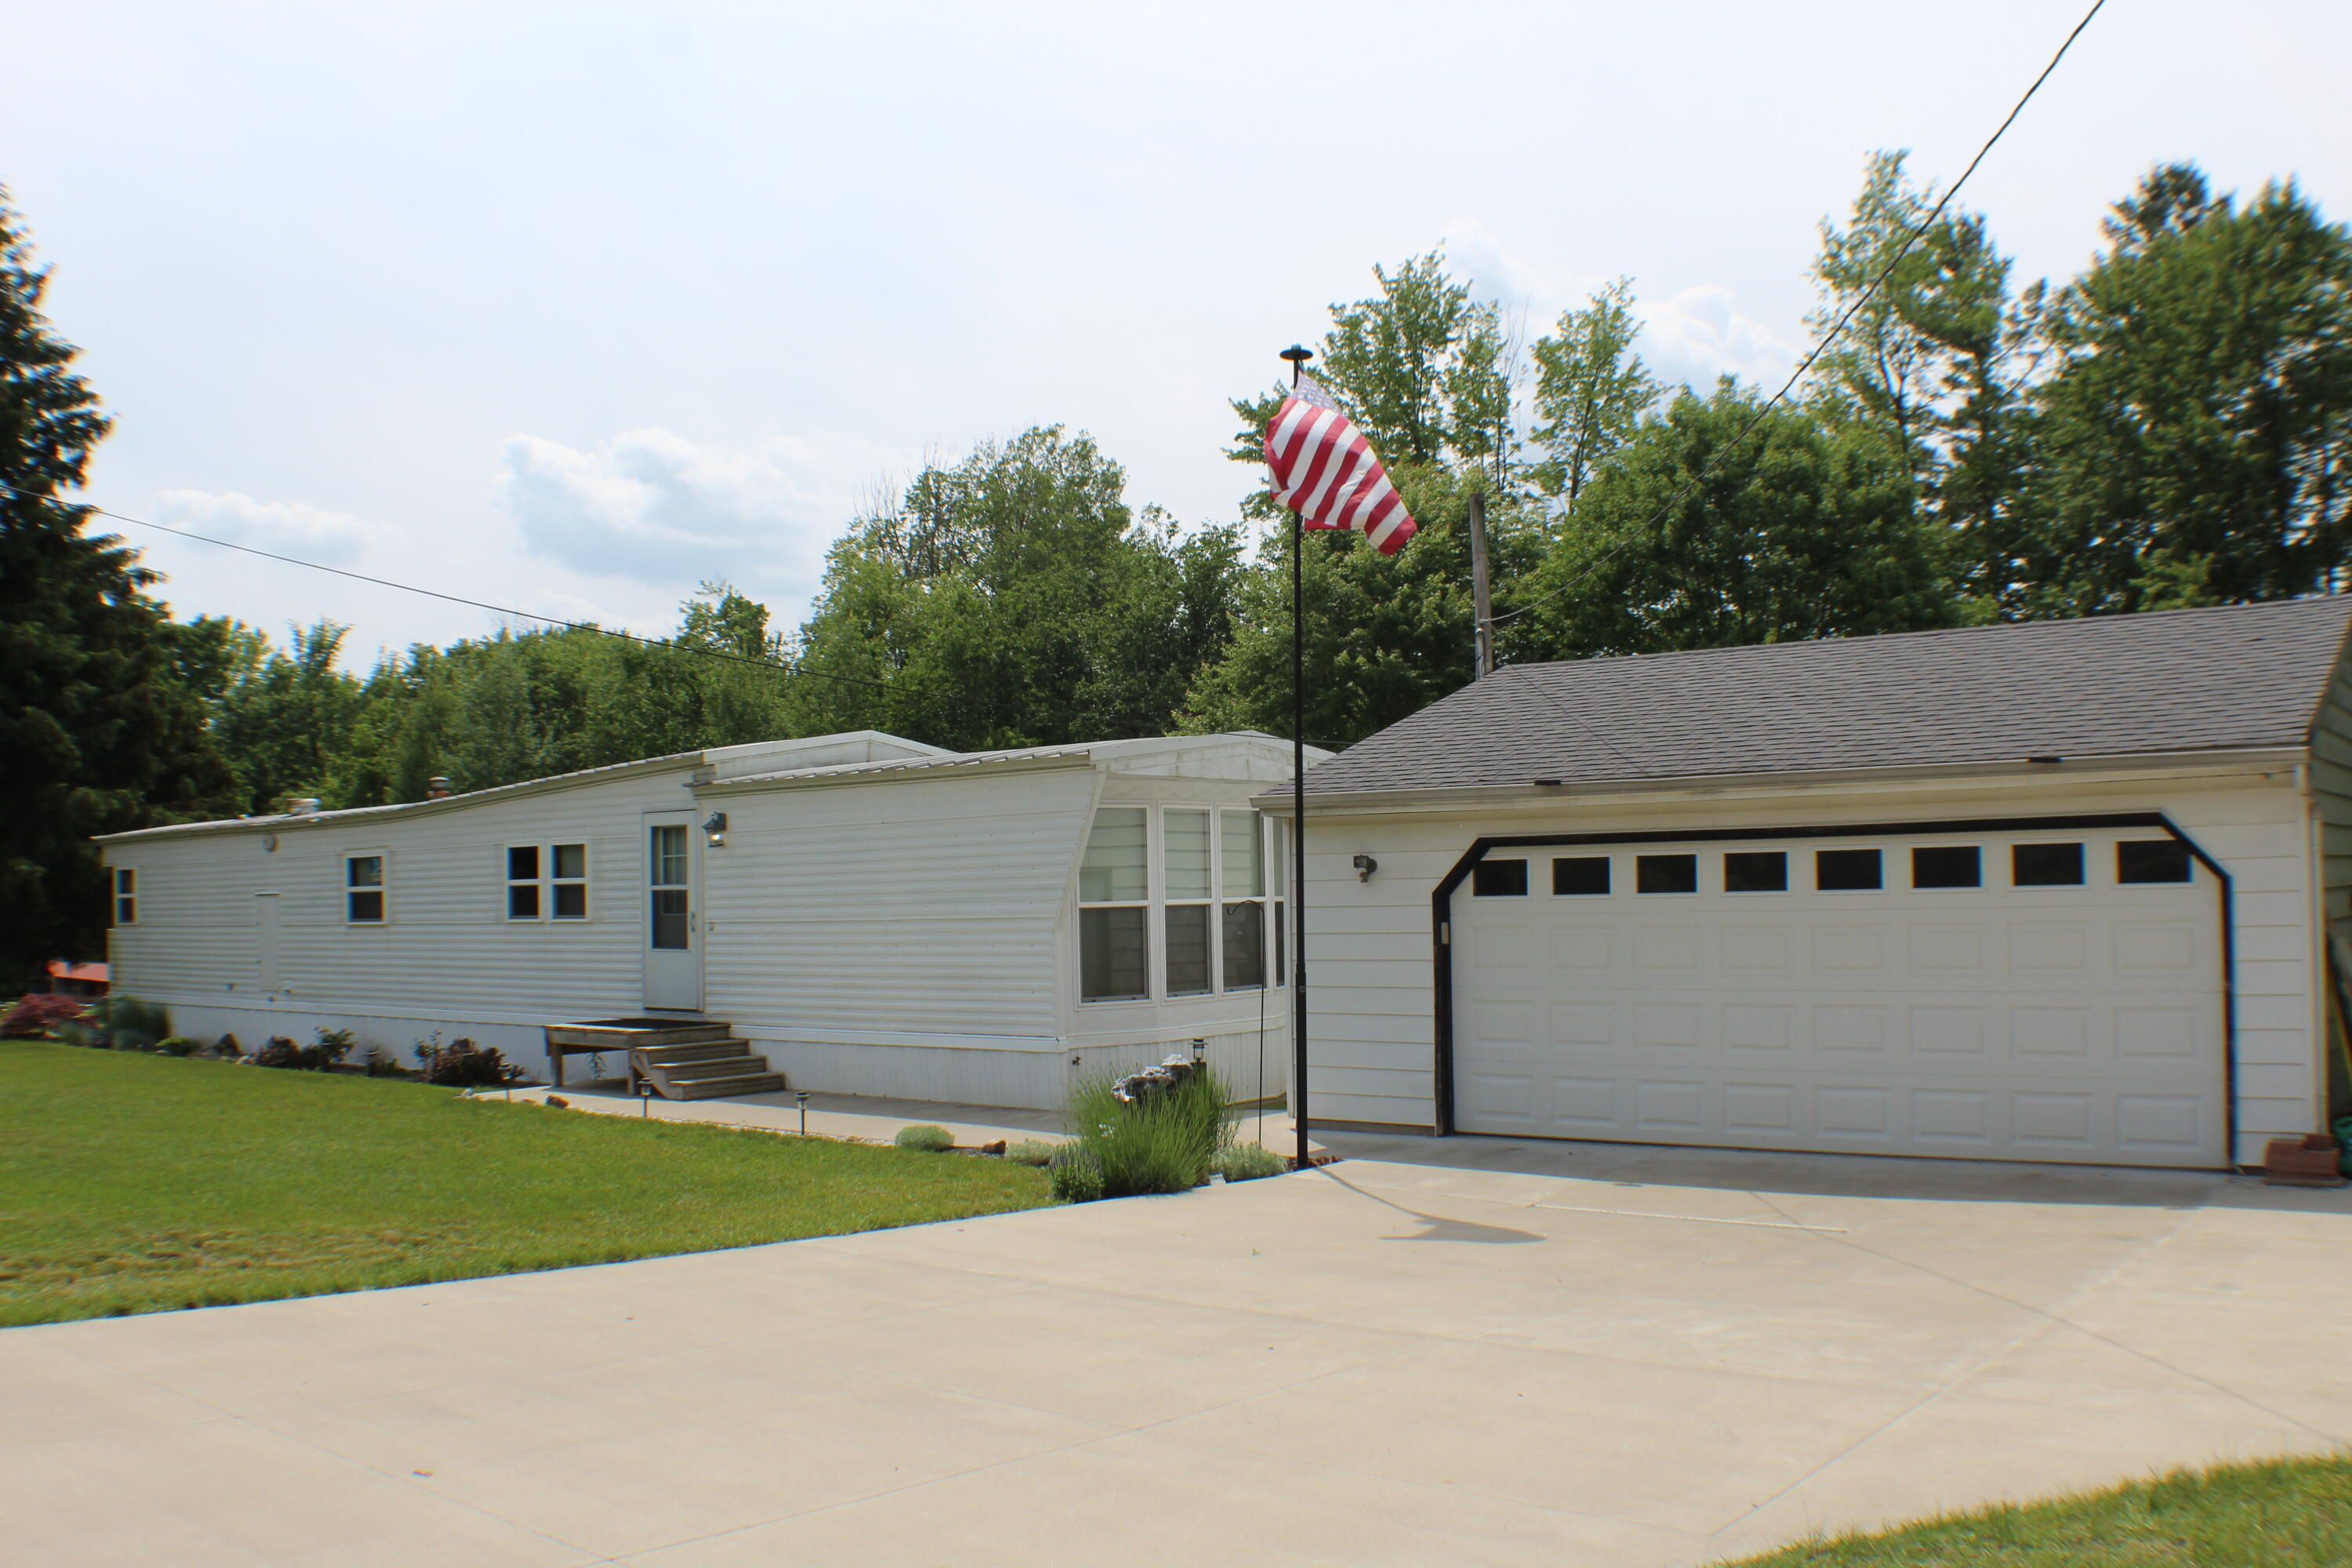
(1030,1152)
(39,1014)
(1159,1130)
(1077,1176)
(929,1138)
(135,1025)
(177,1045)
(1248,1162)
(228,1046)
(331,1046)
(461,1064)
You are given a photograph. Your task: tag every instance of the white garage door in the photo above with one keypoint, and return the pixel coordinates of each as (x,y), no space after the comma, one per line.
(2028,996)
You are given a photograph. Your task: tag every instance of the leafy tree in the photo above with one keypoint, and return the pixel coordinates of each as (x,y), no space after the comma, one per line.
(96,732)
(2194,443)
(1590,390)
(283,720)
(1694,538)
(1013,599)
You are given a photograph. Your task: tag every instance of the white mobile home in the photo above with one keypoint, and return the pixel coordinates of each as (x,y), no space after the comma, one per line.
(2058,890)
(874,915)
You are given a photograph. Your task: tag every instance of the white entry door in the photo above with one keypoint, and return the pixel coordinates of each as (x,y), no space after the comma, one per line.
(673,913)
(2031,996)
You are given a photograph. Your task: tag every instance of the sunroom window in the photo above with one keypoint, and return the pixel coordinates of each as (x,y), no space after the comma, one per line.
(1114,907)
(1242,843)
(1186,850)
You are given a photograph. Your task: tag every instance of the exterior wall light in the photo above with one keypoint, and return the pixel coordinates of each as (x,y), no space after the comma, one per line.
(717,829)
(1365,867)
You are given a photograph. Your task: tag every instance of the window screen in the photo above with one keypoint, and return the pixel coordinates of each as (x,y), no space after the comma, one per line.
(2045,865)
(1241,838)
(1188,949)
(1665,873)
(1245,945)
(1500,879)
(1756,871)
(1580,876)
(1846,870)
(1111,954)
(2152,860)
(1947,865)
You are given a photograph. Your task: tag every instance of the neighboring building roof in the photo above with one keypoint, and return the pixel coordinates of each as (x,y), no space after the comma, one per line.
(2239,677)
(88,974)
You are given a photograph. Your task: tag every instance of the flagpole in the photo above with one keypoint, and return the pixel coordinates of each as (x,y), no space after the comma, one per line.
(1298,357)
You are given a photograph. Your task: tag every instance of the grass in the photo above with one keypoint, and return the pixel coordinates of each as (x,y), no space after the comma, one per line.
(139,1184)
(2271,1514)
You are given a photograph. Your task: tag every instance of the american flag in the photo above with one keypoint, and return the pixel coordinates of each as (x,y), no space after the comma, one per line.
(1325,468)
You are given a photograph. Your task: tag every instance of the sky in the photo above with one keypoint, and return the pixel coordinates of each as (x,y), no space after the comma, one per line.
(569,308)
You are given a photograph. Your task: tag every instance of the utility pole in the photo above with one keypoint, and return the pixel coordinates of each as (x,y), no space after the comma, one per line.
(1482,598)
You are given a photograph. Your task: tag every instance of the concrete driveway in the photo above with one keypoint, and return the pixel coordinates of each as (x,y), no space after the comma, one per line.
(1459,1352)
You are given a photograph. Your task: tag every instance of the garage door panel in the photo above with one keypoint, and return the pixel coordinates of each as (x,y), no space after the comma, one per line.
(2053,1022)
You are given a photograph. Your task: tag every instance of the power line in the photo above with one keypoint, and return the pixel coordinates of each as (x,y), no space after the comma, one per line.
(460,599)
(1828,338)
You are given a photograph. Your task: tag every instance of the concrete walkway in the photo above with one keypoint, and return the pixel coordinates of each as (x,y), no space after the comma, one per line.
(1469,1351)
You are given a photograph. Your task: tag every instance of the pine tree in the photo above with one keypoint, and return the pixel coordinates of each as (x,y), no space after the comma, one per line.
(98,733)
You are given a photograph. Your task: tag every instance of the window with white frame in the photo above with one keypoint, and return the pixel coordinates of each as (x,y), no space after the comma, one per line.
(522,881)
(1114,907)
(1184,854)
(567,881)
(548,881)
(126,896)
(364,886)
(1242,848)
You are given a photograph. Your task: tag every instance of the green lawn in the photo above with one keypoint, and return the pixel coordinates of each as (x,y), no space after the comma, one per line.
(134,1184)
(2274,1514)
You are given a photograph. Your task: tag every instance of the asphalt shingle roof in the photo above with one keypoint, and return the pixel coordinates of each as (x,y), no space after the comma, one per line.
(2235,676)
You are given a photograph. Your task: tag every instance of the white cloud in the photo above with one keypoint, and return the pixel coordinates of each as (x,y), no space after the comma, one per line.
(1692,338)
(656,508)
(284,527)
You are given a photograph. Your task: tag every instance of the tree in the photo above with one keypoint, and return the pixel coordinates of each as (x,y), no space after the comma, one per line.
(1013,599)
(1590,390)
(1696,539)
(2194,444)
(284,720)
(98,733)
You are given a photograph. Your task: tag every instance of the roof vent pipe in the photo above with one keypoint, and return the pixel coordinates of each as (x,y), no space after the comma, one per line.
(302,805)
(438,788)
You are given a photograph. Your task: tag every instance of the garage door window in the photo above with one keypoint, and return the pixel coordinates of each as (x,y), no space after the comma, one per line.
(1756,871)
(2151,861)
(1500,879)
(1847,871)
(1580,876)
(2046,865)
(1948,866)
(1665,873)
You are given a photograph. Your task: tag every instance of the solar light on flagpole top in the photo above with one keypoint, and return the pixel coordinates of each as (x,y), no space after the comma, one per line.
(1298,356)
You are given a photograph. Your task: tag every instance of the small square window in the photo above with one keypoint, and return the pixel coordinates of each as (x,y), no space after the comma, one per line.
(1846,870)
(1947,865)
(522,901)
(2152,860)
(1665,873)
(570,861)
(1500,879)
(1756,871)
(571,901)
(522,863)
(2045,865)
(1580,876)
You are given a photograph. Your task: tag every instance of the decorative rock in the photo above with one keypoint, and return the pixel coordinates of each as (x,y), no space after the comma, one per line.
(558,1101)
(1167,1075)
(995,1148)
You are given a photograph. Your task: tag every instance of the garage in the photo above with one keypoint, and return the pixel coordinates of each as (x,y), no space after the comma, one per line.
(2033,991)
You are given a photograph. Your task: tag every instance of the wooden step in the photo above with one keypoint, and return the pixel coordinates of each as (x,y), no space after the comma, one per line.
(716,1088)
(701,1051)
(695,1072)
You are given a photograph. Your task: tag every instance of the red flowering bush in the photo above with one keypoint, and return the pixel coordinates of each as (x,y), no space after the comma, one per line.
(38,1014)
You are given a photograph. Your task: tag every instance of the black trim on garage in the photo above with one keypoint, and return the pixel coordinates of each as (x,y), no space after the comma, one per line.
(1441,928)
